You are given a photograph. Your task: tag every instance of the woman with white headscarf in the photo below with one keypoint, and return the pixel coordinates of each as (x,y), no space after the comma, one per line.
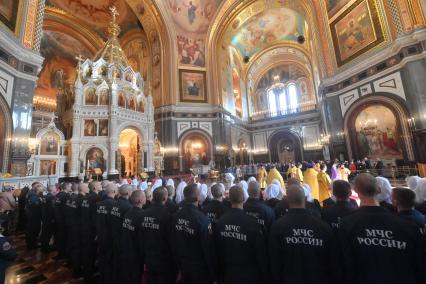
(244,185)
(412,182)
(170,182)
(158,183)
(421,196)
(203,194)
(312,204)
(282,192)
(385,195)
(273,192)
(179,192)
(250,179)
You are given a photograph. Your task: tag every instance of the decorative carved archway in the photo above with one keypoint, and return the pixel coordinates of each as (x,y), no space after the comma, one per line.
(5,135)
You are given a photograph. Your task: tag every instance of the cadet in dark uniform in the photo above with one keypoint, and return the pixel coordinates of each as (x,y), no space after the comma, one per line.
(379,247)
(170,203)
(154,237)
(104,234)
(131,253)
(47,219)
(7,253)
(116,217)
(192,240)
(59,207)
(403,199)
(241,244)
(300,244)
(88,230)
(33,213)
(342,207)
(216,208)
(257,208)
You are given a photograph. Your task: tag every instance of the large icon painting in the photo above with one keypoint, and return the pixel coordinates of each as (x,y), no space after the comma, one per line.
(9,11)
(377,133)
(192,86)
(47,167)
(95,160)
(356,31)
(195,151)
(49,144)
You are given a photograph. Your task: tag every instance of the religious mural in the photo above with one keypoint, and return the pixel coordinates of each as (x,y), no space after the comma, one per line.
(192,19)
(90,127)
(266,28)
(356,31)
(103,127)
(196,151)
(97,15)
(47,167)
(9,10)
(192,86)
(49,144)
(95,159)
(377,133)
(58,73)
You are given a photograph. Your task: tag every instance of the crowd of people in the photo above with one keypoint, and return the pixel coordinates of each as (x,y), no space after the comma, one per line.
(307,229)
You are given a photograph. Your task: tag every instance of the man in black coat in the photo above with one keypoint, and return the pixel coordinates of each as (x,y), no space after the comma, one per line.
(59,208)
(154,237)
(342,207)
(379,247)
(192,240)
(33,213)
(256,208)
(104,234)
(216,208)
(131,258)
(116,217)
(47,219)
(300,244)
(241,244)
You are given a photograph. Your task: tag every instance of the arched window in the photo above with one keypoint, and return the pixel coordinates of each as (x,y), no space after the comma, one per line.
(272,101)
(292,97)
(282,101)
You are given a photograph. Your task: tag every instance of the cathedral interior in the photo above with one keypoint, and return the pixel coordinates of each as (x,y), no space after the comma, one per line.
(114,88)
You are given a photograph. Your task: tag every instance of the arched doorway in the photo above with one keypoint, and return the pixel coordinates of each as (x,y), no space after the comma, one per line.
(285,147)
(129,154)
(242,157)
(195,150)
(377,128)
(5,135)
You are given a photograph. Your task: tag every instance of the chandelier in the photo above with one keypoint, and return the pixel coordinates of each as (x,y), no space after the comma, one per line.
(277,88)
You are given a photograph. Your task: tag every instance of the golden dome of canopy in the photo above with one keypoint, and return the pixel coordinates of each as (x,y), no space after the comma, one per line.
(112,51)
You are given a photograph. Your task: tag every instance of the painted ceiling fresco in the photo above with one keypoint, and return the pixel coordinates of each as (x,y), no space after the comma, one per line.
(58,72)
(266,28)
(192,19)
(96,14)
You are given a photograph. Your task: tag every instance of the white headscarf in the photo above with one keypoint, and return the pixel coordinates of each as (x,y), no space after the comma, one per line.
(385,194)
(170,182)
(244,185)
(229,180)
(134,182)
(251,179)
(179,192)
(143,185)
(158,183)
(412,182)
(272,191)
(421,191)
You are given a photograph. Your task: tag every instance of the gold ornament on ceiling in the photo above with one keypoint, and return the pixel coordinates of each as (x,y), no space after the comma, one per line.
(112,51)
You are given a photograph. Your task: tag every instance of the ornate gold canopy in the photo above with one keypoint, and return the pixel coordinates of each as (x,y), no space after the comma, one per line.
(112,51)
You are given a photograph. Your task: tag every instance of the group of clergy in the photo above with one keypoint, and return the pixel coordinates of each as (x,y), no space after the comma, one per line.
(315,176)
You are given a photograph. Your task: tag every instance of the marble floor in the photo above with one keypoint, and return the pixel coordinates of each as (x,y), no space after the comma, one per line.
(35,267)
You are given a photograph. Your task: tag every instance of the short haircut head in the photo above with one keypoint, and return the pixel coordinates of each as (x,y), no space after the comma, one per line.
(191,193)
(366,184)
(218,190)
(341,189)
(92,185)
(159,195)
(51,188)
(124,190)
(65,186)
(293,181)
(74,187)
(110,189)
(295,195)
(236,195)
(404,197)
(253,189)
(137,197)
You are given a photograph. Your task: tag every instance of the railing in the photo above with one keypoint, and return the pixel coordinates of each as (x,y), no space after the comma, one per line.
(283,112)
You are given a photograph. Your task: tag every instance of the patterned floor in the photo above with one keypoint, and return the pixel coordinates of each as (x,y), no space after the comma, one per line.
(34,267)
